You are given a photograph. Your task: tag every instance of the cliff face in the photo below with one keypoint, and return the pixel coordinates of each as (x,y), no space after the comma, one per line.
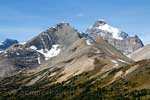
(119,39)
(62,34)
(18,57)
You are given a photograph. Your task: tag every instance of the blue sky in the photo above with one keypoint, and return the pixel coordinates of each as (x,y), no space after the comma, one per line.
(24,19)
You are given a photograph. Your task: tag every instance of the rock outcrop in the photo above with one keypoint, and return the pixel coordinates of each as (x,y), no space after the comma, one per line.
(62,34)
(54,39)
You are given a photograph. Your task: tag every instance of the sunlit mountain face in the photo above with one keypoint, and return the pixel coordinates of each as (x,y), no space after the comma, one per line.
(61,63)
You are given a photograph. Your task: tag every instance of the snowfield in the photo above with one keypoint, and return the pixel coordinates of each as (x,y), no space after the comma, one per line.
(54,51)
(115,31)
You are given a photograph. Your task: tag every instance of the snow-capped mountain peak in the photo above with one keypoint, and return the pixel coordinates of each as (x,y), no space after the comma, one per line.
(115,31)
(100,22)
(115,36)
(102,25)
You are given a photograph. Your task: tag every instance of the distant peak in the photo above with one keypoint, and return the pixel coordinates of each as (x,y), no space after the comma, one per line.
(7,40)
(60,25)
(136,36)
(63,23)
(7,43)
(100,22)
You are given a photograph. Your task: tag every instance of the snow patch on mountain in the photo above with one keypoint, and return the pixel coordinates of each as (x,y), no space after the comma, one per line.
(22,43)
(17,53)
(115,31)
(39,61)
(88,42)
(33,47)
(54,51)
(1,51)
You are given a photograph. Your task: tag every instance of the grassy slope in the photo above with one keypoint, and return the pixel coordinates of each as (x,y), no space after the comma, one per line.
(84,87)
(90,85)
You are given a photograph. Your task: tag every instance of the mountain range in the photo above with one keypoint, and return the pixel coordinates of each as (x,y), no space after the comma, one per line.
(63,64)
